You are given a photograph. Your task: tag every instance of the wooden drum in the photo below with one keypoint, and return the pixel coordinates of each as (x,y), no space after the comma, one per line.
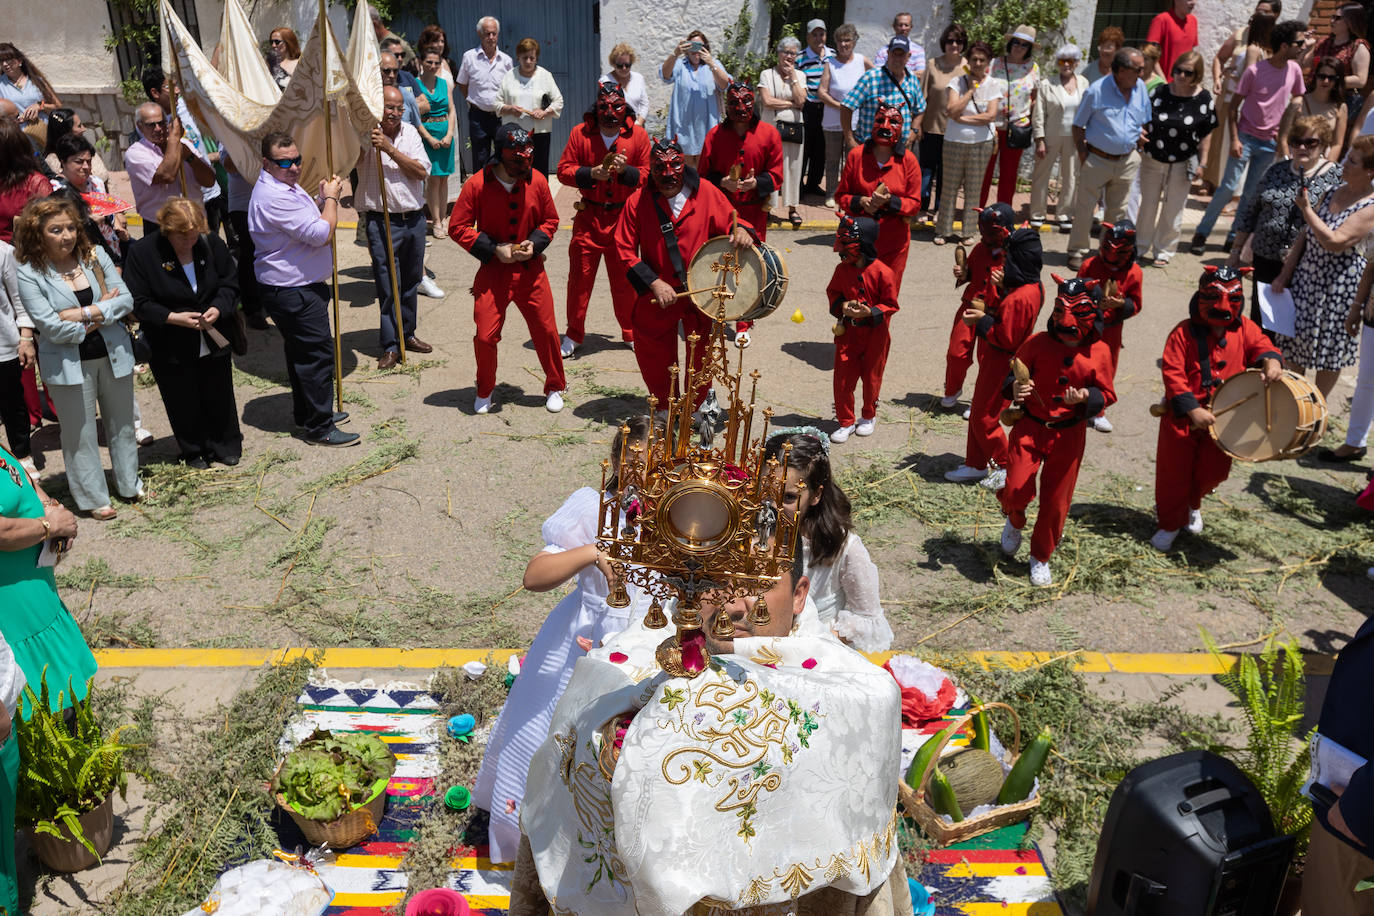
(1296,414)
(757,287)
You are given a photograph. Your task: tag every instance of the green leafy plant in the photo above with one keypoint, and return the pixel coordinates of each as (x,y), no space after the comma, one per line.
(328,775)
(1271,692)
(990,20)
(735,56)
(65,770)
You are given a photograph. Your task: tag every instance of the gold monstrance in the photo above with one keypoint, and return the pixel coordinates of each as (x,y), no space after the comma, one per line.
(698,510)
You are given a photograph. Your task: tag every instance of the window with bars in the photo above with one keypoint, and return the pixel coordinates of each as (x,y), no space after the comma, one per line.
(134,34)
(1130,16)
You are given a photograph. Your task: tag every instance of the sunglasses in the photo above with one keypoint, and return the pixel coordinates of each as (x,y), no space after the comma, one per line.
(153,125)
(1306,143)
(1184,71)
(1018,43)
(386,70)
(626,66)
(276,41)
(957,42)
(285,163)
(1326,77)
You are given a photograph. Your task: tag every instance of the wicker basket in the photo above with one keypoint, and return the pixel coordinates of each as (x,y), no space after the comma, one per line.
(344,832)
(916,805)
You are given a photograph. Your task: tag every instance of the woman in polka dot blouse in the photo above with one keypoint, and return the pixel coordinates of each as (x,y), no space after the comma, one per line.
(1176,140)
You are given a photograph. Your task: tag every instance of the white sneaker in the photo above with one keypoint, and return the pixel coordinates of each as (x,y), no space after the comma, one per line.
(1011,539)
(568,348)
(1040,573)
(996,480)
(967,411)
(842,434)
(1195,521)
(742,339)
(1163,540)
(1102,424)
(865,427)
(554,402)
(951,401)
(962,474)
(430,289)
(142,436)
(483,405)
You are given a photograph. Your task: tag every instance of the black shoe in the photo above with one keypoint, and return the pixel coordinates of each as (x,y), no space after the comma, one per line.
(197,461)
(231,461)
(339,417)
(256,320)
(1198,245)
(1330,456)
(1230,243)
(335,438)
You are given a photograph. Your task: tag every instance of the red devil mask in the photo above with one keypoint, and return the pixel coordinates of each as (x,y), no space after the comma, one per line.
(1221,297)
(739,102)
(1077,316)
(887,124)
(849,242)
(995,224)
(667,165)
(1118,244)
(611,108)
(515,149)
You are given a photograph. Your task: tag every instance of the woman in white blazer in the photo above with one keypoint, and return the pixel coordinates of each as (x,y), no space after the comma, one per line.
(1052,127)
(76,298)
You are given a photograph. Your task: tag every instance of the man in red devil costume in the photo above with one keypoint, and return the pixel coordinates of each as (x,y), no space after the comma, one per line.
(505,218)
(1214,343)
(1115,261)
(863,297)
(661,227)
(882,180)
(607,159)
(1069,381)
(1000,332)
(743,157)
(982,272)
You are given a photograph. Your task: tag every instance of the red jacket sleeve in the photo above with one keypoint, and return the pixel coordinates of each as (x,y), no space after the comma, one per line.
(626,239)
(1258,346)
(848,192)
(570,168)
(462,223)
(769,173)
(1178,388)
(1101,389)
(882,284)
(547,213)
(1014,321)
(906,189)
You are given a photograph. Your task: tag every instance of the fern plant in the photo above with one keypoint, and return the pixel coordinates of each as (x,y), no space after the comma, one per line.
(1271,692)
(65,769)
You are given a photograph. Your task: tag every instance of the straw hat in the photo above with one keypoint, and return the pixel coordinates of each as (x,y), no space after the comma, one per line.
(1025,33)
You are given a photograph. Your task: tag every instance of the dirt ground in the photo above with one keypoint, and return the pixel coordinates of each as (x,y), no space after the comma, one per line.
(419,536)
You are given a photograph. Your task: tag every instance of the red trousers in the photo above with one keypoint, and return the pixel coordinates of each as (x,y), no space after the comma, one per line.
(584,259)
(986,440)
(526,284)
(1188,466)
(860,353)
(656,343)
(33,400)
(1056,454)
(959,355)
(1008,164)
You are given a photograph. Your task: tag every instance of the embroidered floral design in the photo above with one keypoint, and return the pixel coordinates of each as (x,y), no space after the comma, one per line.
(673,697)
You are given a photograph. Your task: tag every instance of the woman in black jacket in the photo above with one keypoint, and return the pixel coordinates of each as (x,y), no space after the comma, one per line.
(185,288)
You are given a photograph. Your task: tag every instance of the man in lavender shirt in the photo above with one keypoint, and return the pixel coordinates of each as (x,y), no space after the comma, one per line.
(292,261)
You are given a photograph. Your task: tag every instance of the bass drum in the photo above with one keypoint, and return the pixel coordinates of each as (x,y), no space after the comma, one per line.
(1295,420)
(756,289)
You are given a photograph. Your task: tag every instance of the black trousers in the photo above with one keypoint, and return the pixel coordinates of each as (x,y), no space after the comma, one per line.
(408,245)
(813,146)
(932,159)
(13,411)
(249,293)
(199,397)
(301,314)
(482,128)
(215,211)
(542,142)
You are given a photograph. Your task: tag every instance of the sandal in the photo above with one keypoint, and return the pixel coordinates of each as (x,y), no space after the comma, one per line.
(795,219)
(938,240)
(104,513)
(1161,262)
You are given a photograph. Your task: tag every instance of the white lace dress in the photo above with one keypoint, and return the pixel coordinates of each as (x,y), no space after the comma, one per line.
(846,595)
(524,721)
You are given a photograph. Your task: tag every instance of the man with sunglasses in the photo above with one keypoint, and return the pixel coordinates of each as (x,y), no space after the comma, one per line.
(291,233)
(162,154)
(1175,31)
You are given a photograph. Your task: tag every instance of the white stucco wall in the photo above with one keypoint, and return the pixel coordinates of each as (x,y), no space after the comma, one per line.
(654,28)
(873,19)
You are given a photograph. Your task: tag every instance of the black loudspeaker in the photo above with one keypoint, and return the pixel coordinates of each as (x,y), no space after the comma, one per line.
(1188,835)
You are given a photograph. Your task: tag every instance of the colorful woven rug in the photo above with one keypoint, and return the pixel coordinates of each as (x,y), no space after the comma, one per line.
(987,875)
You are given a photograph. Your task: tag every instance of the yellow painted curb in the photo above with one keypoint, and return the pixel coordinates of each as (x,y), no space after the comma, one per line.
(1177,664)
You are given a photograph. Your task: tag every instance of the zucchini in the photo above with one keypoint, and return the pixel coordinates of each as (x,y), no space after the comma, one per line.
(980,739)
(942,797)
(923,755)
(1021,779)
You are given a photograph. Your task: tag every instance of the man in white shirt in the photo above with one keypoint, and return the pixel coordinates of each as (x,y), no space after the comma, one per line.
(155,162)
(901,28)
(479,80)
(405,167)
(158,88)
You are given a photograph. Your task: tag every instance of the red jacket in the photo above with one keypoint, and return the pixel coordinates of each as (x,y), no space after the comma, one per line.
(1186,385)
(1129,283)
(902,176)
(873,285)
(639,236)
(1055,367)
(1007,327)
(981,261)
(585,150)
(486,215)
(759,151)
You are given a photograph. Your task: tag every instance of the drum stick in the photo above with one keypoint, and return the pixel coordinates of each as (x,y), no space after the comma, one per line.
(1235,404)
(1267,420)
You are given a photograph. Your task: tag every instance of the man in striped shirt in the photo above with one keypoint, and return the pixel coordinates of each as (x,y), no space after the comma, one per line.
(811,62)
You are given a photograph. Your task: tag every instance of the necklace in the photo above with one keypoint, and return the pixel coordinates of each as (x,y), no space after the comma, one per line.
(71,274)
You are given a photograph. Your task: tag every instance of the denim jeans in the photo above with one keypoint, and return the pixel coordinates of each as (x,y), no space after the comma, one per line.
(1256,156)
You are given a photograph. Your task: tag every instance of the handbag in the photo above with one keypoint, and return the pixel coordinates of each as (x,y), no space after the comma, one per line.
(138,343)
(1018,135)
(790,131)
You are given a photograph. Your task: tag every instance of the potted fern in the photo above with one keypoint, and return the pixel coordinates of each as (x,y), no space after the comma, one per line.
(1271,691)
(68,773)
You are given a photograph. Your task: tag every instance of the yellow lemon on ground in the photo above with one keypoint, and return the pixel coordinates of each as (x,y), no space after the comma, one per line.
(798,317)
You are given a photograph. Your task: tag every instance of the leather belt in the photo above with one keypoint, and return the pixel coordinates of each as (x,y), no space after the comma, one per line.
(1114,157)
(395,217)
(584,204)
(1054,424)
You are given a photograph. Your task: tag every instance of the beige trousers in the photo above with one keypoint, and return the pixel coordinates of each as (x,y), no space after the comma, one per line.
(1110,178)
(1328,881)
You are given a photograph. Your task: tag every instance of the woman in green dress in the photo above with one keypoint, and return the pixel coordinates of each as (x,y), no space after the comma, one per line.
(38,627)
(440,130)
